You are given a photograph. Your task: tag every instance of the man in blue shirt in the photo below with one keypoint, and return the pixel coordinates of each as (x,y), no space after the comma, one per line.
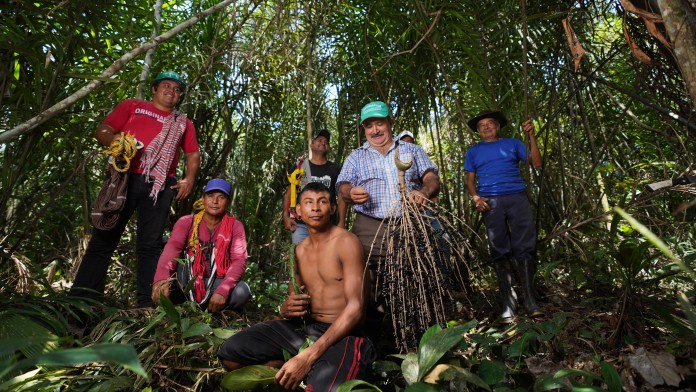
(499,193)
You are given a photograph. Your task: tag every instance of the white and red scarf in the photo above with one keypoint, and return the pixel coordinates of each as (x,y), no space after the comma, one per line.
(159,154)
(221,255)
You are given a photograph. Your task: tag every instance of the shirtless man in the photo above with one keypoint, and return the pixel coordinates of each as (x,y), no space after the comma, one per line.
(330,266)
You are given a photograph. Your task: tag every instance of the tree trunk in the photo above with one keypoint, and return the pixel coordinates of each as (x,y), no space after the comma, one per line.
(309,81)
(680,22)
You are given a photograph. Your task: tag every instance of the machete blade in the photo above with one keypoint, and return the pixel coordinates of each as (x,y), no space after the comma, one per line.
(667,183)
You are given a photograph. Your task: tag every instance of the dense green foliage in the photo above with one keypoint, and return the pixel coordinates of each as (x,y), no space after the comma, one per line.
(261,72)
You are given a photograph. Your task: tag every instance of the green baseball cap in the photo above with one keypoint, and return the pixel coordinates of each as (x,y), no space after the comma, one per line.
(376,109)
(170,75)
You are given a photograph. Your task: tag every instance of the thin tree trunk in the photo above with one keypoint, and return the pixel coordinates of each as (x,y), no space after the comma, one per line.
(309,79)
(680,22)
(142,86)
(105,76)
(308,95)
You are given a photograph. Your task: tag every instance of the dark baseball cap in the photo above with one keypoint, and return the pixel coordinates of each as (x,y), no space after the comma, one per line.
(322,132)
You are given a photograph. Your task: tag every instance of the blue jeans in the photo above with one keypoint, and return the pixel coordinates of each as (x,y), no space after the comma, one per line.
(510,228)
(300,233)
(91,276)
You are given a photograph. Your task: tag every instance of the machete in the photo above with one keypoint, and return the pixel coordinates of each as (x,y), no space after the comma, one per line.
(667,183)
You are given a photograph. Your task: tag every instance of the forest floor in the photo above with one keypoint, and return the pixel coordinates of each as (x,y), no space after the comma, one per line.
(582,328)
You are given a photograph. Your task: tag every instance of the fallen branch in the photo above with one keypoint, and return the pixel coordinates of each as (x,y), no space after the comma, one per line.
(105,75)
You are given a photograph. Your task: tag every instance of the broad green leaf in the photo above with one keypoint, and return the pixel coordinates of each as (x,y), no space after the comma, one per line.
(21,333)
(197,329)
(120,354)
(384,368)
(437,345)
(249,378)
(422,387)
(432,330)
(22,378)
(548,382)
(223,333)
(574,372)
(170,310)
(409,368)
(611,376)
(521,345)
(492,372)
(185,323)
(456,372)
(308,342)
(357,386)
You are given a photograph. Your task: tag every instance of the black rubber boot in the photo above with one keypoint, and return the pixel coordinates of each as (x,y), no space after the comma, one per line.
(525,272)
(508,298)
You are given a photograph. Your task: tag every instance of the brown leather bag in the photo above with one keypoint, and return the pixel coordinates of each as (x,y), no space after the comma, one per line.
(111,199)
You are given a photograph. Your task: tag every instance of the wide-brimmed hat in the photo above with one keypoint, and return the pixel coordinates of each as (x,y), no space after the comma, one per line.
(494,114)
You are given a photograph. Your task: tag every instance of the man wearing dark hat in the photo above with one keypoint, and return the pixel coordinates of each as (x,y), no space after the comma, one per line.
(493,179)
(161,132)
(316,169)
(213,246)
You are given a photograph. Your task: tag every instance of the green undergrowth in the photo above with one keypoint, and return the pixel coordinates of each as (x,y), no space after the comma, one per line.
(54,342)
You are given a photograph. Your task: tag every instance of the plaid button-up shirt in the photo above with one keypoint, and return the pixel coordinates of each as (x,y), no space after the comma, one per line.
(377,174)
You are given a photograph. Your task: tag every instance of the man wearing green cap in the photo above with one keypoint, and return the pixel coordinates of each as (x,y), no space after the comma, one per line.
(369,180)
(161,131)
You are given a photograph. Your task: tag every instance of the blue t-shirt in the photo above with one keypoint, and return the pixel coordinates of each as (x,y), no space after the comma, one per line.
(496,165)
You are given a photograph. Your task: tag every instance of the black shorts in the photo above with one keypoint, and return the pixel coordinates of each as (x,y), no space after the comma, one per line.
(345,360)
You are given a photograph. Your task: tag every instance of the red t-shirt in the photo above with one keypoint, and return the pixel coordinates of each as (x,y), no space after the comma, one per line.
(145,121)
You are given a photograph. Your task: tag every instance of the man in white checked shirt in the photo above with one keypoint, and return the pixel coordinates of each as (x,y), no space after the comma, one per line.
(369,181)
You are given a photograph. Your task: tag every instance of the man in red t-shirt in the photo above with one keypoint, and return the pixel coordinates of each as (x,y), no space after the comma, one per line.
(152,184)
